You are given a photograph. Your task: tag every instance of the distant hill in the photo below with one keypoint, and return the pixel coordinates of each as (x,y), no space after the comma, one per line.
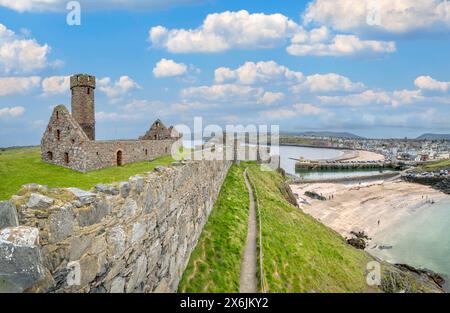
(330,134)
(434,137)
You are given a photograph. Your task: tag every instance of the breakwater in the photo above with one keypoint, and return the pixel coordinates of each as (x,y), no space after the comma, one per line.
(348,165)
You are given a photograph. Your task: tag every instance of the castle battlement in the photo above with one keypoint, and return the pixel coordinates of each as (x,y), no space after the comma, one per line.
(82,80)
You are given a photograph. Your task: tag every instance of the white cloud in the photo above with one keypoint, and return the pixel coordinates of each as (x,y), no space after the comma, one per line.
(339,45)
(393,16)
(115,117)
(60,5)
(56,84)
(271,97)
(169,68)
(299,109)
(186,106)
(224,31)
(12,111)
(328,83)
(394,98)
(118,88)
(14,85)
(223,93)
(429,83)
(20,55)
(260,72)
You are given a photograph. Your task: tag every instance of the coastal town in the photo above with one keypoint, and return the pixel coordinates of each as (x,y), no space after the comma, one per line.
(395,150)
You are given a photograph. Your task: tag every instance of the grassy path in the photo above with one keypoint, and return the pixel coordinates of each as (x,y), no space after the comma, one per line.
(248,280)
(215,263)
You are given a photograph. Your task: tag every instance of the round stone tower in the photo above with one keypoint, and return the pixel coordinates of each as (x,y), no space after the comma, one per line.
(83,105)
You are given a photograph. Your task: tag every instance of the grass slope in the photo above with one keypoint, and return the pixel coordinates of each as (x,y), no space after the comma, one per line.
(299,253)
(214,265)
(22,166)
(435,165)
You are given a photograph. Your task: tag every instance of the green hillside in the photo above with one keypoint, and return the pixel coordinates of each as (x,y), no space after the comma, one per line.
(299,253)
(23,165)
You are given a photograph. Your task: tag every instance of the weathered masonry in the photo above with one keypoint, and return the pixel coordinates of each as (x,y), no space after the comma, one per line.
(133,236)
(69,139)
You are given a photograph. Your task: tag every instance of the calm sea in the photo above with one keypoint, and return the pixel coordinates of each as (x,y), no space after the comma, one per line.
(422,240)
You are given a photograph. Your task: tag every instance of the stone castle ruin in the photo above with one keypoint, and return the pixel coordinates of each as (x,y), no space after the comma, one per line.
(69,139)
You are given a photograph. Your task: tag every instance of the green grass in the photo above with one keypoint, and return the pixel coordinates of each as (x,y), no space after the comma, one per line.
(214,265)
(435,166)
(299,253)
(23,165)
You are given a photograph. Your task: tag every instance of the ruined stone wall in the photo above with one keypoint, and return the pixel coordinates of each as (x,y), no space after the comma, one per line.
(64,135)
(133,236)
(100,154)
(65,144)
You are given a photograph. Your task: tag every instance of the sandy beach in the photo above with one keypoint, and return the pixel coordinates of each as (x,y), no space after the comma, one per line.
(356,207)
(360,156)
(368,156)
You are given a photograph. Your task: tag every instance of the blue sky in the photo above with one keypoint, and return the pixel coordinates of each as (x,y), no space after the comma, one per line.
(374,68)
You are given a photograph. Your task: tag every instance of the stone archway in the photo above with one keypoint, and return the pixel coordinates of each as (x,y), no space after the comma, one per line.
(119,159)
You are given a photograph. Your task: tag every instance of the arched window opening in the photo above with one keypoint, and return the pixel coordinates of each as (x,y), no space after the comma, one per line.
(50,155)
(146,152)
(88,90)
(57,115)
(119,158)
(66,158)
(58,134)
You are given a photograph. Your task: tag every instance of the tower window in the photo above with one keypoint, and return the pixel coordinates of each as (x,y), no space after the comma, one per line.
(58,134)
(73,140)
(146,152)
(88,90)
(50,155)
(57,115)
(66,158)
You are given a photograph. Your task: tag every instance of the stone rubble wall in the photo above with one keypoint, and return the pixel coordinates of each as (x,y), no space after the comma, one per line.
(100,154)
(132,236)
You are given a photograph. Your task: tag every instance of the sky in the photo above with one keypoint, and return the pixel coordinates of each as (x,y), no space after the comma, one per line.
(374,68)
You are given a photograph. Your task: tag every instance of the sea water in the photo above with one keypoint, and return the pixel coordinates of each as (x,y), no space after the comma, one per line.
(421,240)
(289,153)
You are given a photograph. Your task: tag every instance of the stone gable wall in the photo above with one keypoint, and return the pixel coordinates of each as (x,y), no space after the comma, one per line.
(133,236)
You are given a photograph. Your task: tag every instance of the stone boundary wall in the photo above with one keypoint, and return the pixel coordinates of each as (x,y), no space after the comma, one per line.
(132,236)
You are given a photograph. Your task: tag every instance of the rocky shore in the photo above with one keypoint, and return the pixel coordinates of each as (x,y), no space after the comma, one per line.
(439,183)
